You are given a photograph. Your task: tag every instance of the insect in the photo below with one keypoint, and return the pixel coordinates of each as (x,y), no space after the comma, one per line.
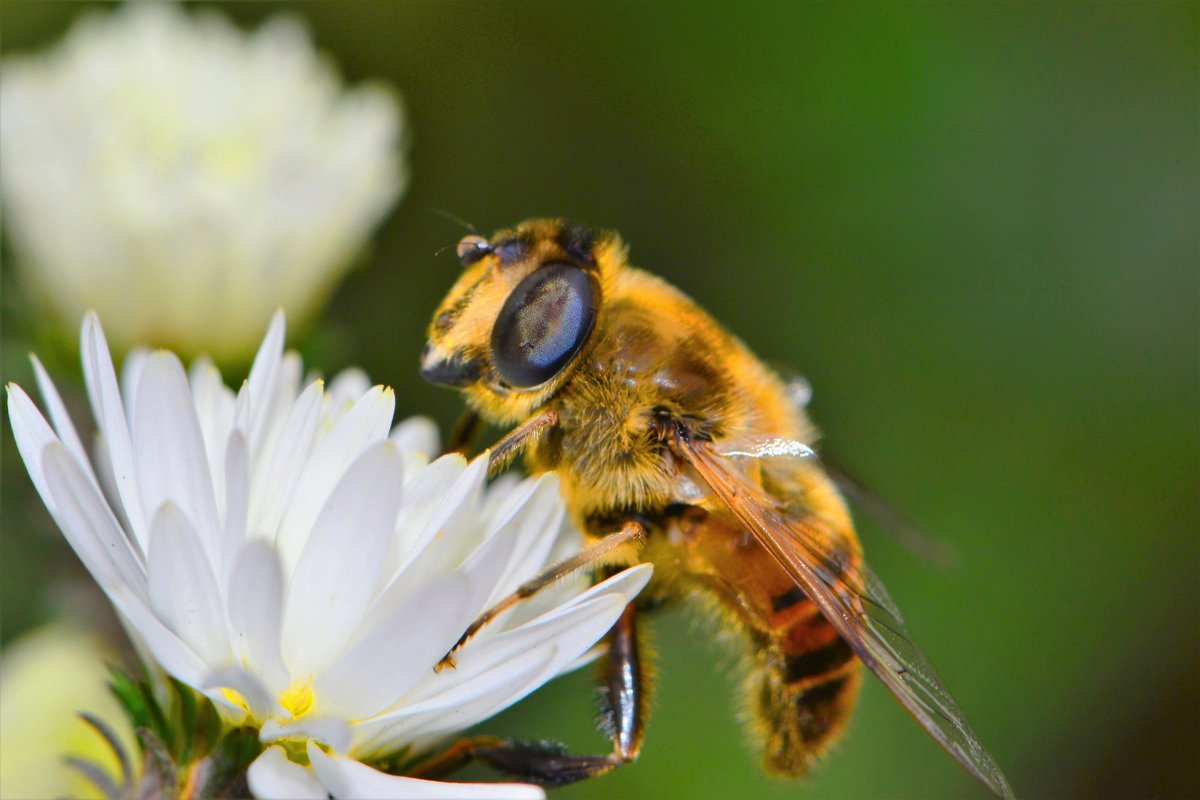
(674,444)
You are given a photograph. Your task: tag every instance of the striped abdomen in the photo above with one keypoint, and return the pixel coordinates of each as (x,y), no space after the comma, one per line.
(804,684)
(802,678)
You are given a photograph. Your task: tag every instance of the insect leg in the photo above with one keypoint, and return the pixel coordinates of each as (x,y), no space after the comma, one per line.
(544,762)
(626,697)
(456,756)
(623,715)
(595,554)
(519,438)
(464,433)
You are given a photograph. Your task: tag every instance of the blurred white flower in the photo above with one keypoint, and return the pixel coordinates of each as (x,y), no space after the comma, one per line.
(304,565)
(186,178)
(47,677)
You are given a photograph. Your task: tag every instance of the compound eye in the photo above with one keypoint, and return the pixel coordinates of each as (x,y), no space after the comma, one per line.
(543,324)
(472,248)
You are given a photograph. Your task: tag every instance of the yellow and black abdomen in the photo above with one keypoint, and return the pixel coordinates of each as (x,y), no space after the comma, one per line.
(803,686)
(801,678)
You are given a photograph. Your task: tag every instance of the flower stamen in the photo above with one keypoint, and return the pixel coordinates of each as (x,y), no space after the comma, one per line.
(299,699)
(236,698)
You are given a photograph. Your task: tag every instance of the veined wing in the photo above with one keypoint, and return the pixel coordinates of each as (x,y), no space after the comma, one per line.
(852,599)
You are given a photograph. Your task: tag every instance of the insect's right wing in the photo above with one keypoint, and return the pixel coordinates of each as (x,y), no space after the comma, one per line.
(850,598)
(889,519)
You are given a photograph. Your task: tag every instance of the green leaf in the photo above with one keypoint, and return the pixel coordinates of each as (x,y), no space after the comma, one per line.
(187,740)
(130,697)
(208,728)
(184,703)
(135,693)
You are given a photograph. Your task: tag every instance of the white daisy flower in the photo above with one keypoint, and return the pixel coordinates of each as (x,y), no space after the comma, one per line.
(304,565)
(186,178)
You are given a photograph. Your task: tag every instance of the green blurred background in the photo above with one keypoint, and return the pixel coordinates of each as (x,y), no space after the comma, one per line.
(972,226)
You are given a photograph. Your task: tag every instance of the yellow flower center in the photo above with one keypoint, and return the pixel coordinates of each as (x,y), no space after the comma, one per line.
(299,699)
(236,699)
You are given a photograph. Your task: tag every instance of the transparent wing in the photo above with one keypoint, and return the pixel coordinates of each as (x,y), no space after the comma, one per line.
(852,599)
(890,520)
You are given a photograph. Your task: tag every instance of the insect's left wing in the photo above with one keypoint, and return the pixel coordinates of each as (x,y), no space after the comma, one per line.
(891,520)
(852,600)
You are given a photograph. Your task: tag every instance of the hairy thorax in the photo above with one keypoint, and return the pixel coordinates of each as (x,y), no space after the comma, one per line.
(655,351)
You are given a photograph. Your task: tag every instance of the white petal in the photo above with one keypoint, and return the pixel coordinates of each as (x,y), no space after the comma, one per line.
(131,377)
(279,470)
(326,730)
(588,657)
(627,583)
(256,612)
(214,404)
(107,478)
(571,628)
(169,651)
(283,397)
(571,631)
(453,533)
(417,435)
(105,397)
(456,702)
(88,523)
(183,588)
(273,777)
(241,413)
(366,422)
(431,497)
(32,434)
(237,503)
(247,684)
(172,465)
(533,530)
(58,414)
(393,655)
(260,385)
(481,570)
(364,425)
(287,383)
(346,778)
(339,570)
(346,388)
(565,544)
(498,494)
(502,507)
(479,577)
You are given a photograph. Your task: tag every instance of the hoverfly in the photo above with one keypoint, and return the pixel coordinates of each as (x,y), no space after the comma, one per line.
(674,444)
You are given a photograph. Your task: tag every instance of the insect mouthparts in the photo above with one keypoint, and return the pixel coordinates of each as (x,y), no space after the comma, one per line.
(453,371)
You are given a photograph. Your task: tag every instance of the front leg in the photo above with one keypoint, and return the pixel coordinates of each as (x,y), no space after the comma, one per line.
(464,433)
(520,437)
(612,548)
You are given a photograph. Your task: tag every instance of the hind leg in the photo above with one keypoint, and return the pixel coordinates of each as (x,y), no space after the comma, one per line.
(623,712)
